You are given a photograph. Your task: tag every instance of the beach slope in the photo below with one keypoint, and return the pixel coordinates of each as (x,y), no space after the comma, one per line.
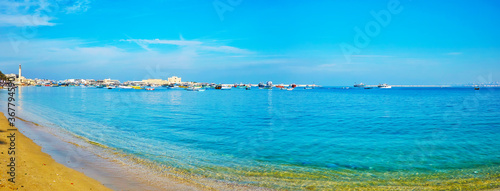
(34,169)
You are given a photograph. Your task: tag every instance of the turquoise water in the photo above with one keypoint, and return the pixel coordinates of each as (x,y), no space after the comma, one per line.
(327,129)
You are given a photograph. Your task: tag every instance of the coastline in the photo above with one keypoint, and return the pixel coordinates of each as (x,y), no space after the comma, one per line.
(87,160)
(36,170)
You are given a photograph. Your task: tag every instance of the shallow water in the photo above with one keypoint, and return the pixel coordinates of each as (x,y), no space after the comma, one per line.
(239,135)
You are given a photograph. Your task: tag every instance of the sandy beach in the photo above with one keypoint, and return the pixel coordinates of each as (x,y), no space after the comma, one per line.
(36,170)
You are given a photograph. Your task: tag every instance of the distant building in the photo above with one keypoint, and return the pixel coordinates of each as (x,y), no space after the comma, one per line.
(155,81)
(111,82)
(174,80)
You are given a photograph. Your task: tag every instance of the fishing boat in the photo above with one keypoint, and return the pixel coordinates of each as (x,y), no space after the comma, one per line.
(360,85)
(249,87)
(138,87)
(308,87)
(195,89)
(225,88)
(55,85)
(476,87)
(38,85)
(183,86)
(261,85)
(99,86)
(289,89)
(150,89)
(368,88)
(111,87)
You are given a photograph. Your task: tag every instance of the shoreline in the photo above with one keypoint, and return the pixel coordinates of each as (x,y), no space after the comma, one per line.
(105,170)
(114,171)
(37,170)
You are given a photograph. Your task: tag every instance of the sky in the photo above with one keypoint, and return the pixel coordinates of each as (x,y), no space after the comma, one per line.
(326,42)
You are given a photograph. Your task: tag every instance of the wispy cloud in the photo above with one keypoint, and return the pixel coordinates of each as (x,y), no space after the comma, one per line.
(25,20)
(191,44)
(37,12)
(78,6)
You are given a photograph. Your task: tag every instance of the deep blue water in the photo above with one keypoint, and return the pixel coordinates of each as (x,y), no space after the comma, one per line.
(419,129)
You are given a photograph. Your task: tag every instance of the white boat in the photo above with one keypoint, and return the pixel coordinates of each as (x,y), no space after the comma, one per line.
(125,87)
(384,86)
(289,89)
(225,88)
(111,87)
(360,85)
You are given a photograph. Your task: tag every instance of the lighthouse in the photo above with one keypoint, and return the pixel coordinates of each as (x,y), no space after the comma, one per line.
(19,71)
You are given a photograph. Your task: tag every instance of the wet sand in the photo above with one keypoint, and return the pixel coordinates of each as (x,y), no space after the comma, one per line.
(34,169)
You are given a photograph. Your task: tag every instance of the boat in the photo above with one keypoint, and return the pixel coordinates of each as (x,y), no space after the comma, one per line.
(138,87)
(261,85)
(195,89)
(248,88)
(111,87)
(308,87)
(384,86)
(280,86)
(150,89)
(360,85)
(289,89)
(476,87)
(125,87)
(38,85)
(183,86)
(55,85)
(368,88)
(99,86)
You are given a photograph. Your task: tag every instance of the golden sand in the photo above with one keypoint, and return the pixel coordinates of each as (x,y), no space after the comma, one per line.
(36,170)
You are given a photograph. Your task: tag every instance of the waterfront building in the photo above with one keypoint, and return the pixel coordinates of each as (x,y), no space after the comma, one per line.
(110,82)
(174,80)
(155,81)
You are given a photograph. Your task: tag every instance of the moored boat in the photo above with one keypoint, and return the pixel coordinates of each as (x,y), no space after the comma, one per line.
(150,89)
(125,87)
(360,85)
(138,87)
(384,86)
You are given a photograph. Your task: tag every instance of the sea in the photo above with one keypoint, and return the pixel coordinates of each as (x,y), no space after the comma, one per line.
(322,138)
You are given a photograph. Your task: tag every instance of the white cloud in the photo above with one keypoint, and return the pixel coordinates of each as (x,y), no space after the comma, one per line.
(37,12)
(79,6)
(25,20)
(190,44)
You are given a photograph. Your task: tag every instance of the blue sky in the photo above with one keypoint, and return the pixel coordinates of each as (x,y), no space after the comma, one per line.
(228,41)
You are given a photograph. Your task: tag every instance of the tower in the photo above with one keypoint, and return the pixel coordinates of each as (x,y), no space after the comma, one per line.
(19,70)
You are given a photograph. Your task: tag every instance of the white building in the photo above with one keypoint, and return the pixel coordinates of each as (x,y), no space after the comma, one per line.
(174,80)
